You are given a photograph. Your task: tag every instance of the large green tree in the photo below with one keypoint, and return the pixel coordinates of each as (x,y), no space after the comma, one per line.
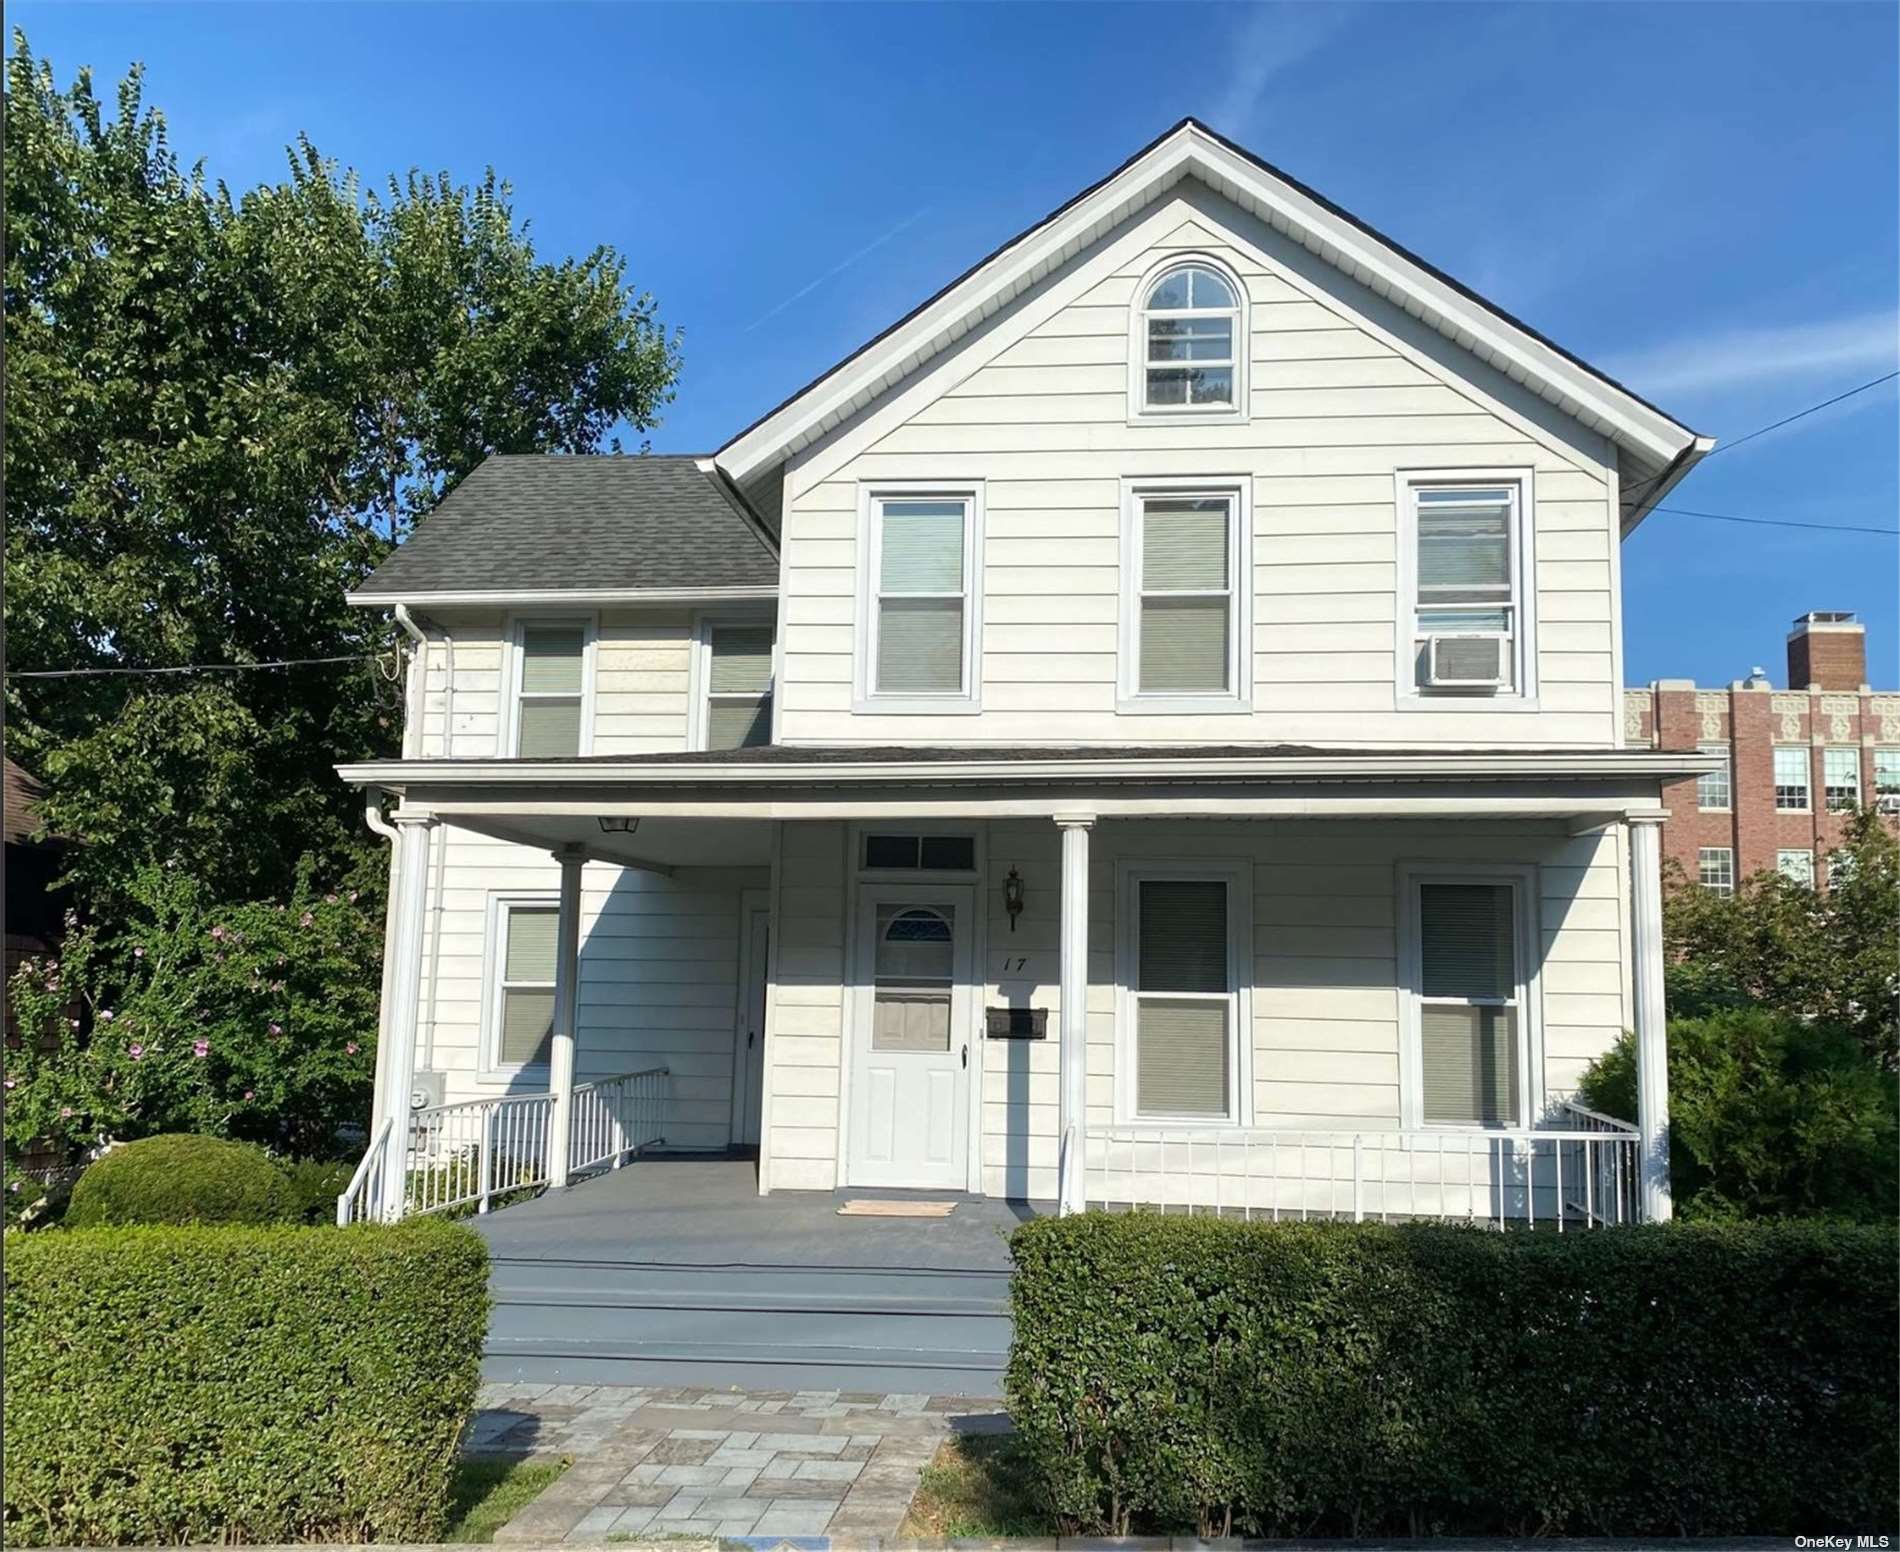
(222,411)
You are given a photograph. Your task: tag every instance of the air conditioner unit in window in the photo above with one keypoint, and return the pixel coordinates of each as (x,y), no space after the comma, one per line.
(1467,660)
(1888,802)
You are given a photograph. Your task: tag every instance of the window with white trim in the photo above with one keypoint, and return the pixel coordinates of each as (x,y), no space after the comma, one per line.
(550,711)
(1887,780)
(1712,787)
(1715,869)
(1184,609)
(1841,867)
(920,626)
(521,1018)
(1792,766)
(1466,570)
(1471,1033)
(1183,997)
(1796,864)
(1191,343)
(738,677)
(1840,777)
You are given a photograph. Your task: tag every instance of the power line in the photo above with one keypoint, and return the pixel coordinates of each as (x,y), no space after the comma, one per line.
(193,668)
(1783,522)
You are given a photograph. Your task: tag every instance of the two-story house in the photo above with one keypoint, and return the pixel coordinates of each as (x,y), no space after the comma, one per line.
(1144,728)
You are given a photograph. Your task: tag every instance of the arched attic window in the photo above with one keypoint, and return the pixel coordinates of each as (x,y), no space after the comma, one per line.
(1190,342)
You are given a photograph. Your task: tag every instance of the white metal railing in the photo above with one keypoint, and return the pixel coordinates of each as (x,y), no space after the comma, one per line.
(1572,1177)
(478,1149)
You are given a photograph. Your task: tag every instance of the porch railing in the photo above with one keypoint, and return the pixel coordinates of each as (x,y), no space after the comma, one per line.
(478,1149)
(1577,1176)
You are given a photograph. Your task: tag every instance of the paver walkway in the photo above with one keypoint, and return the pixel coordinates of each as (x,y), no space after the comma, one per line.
(678,1460)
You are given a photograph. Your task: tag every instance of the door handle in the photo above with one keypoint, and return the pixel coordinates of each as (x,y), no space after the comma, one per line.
(750,1036)
(966,1053)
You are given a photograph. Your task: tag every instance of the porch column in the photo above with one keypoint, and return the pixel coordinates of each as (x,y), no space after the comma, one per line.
(1652,1044)
(1071,1186)
(567,976)
(398,1061)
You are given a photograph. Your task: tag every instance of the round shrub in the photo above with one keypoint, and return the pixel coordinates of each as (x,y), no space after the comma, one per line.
(181,1178)
(314,1186)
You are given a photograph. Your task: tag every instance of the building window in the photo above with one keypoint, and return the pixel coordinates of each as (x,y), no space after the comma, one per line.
(551,688)
(920,623)
(1841,867)
(1791,776)
(738,678)
(1471,1039)
(1796,864)
(1840,777)
(1184,611)
(522,1017)
(1465,572)
(1715,869)
(1183,932)
(1887,780)
(1712,787)
(1190,343)
(926,853)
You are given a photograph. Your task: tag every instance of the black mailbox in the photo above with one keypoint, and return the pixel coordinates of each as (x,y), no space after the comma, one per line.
(1016,1023)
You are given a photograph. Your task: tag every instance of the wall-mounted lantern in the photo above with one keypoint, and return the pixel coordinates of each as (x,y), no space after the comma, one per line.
(1013,896)
(619,824)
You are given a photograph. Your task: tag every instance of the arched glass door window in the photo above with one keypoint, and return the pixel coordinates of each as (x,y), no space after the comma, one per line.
(1190,328)
(913,975)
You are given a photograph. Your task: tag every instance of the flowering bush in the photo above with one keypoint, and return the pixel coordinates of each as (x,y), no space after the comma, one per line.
(255,1021)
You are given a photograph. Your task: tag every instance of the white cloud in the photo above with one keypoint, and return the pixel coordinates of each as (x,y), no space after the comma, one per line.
(1737,358)
(839,268)
(1273,38)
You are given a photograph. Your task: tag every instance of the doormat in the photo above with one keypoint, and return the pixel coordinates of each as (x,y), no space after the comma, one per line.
(869,1208)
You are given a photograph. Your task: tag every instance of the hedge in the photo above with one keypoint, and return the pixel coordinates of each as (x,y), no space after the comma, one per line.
(195,1384)
(1196,1374)
(180,1177)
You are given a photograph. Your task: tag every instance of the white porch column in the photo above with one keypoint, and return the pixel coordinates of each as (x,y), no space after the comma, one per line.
(1652,1047)
(1071,1187)
(567,977)
(397,1062)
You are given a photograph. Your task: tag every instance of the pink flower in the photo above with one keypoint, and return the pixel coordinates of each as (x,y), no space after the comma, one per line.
(250,1094)
(201,1048)
(306,920)
(352,897)
(135,1050)
(106,1014)
(277,1029)
(218,932)
(10,1082)
(73,1022)
(65,1112)
(138,951)
(329,899)
(349,1049)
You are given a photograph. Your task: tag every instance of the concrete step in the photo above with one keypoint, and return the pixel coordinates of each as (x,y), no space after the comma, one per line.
(532,1274)
(744,1366)
(840,1325)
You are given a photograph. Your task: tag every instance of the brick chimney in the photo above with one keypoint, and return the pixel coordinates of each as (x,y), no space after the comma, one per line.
(1827,651)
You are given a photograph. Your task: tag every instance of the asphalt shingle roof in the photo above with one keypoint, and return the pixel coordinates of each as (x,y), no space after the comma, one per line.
(582,523)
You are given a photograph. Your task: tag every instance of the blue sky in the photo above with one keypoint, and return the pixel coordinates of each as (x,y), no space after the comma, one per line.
(1698,198)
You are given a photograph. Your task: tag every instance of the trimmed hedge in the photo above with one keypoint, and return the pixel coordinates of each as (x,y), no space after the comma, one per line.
(180,1177)
(1194,1374)
(169,1385)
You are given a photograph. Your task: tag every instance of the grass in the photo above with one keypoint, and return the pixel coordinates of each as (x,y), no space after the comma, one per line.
(979,1485)
(489,1493)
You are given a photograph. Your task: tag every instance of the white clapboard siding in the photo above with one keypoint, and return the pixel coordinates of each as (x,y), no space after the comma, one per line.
(1344,390)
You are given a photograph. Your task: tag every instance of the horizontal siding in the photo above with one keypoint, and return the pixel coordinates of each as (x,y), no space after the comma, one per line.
(804,1041)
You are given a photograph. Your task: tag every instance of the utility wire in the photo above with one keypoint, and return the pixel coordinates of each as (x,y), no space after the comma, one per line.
(1783,522)
(192,668)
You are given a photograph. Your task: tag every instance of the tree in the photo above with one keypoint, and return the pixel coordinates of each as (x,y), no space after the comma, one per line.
(222,412)
(1776,944)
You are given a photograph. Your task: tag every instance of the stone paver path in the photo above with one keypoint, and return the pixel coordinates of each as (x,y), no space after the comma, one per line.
(678,1460)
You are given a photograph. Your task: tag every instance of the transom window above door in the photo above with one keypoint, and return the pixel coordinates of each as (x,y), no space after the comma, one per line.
(1189,344)
(919,604)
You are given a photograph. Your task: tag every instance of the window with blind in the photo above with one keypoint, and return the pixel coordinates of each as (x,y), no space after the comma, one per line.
(1184,611)
(525,937)
(738,677)
(1472,1061)
(1184,999)
(921,614)
(550,689)
(1465,564)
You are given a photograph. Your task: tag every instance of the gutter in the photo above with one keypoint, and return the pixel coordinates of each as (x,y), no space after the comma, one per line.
(516,598)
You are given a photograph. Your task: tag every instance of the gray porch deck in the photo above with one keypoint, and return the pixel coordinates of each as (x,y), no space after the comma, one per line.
(674,1270)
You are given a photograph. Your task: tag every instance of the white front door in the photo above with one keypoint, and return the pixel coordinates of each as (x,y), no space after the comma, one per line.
(910,1080)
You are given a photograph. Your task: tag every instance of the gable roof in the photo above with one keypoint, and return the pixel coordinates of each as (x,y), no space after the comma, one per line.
(1656,449)
(581,524)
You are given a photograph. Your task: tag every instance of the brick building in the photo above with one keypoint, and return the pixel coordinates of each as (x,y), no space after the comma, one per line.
(1797,757)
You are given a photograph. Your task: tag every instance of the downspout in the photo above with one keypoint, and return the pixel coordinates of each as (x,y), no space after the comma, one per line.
(438,862)
(417,690)
(373,817)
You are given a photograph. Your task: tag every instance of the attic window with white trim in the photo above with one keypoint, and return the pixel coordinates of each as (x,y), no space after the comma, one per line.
(1190,343)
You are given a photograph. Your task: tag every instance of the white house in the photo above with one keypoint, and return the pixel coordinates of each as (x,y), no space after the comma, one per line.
(1143,728)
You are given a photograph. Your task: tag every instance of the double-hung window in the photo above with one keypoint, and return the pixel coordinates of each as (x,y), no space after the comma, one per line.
(1715,869)
(1712,787)
(1183,951)
(1840,777)
(1185,609)
(551,673)
(1887,780)
(1470,1042)
(1465,573)
(521,1016)
(1792,766)
(920,602)
(737,665)
(1189,346)
(1796,864)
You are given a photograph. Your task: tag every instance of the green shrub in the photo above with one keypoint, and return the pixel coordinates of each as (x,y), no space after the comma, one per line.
(170,1385)
(180,1178)
(312,1187)
(1194,1374)
(1768,1116)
